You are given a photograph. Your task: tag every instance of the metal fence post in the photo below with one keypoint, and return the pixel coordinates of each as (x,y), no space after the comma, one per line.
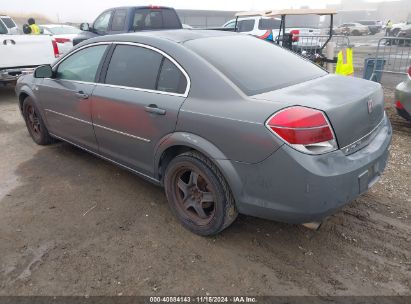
(329,54)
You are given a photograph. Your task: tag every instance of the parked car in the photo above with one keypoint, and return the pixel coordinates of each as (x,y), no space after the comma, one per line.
(374,27)
(8,26)
(130,19)
(268,28)
(62,34)
(198,113)
(396,28)
(354,29)
(405,32)
(20,53)
(403,97)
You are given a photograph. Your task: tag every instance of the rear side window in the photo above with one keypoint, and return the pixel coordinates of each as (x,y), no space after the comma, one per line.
(170,19)
(268,24)
(119,20)
(133,66)
(152,19)
(8,22)
(171,79)
(245,25)
(82,65)
(254,65)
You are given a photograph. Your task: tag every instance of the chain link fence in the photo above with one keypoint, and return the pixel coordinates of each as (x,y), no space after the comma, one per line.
(393,56)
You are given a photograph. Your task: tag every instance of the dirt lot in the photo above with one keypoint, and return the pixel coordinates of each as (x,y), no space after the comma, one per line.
(72,224)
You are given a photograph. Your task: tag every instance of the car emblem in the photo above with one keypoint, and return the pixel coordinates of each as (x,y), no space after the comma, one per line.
(370,106)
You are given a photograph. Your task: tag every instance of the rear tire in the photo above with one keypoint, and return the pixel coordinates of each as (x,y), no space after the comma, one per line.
(355,33)
(35,124)
(198,194)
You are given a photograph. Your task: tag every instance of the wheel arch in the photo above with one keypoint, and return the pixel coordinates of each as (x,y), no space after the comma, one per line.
(23,93)
(180,142)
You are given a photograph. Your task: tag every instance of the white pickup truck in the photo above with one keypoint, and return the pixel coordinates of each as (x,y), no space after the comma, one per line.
(268,28)
(21,53)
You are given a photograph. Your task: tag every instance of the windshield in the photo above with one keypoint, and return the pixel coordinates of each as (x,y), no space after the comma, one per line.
(8,22)
(254,65)
(62,30)
(3,29)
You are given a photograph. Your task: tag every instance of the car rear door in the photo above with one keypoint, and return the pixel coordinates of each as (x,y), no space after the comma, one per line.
(66,98)
(136,104)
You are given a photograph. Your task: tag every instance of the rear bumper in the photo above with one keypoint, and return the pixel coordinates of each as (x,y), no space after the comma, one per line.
(13,74)
(293,187)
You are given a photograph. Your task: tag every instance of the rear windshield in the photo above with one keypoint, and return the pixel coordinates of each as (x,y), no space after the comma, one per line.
(8,22)
(367,22)
(63,30)
(154,19)
(254,65)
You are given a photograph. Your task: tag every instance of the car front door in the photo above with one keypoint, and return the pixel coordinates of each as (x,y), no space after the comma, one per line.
(137,104)
(66,98)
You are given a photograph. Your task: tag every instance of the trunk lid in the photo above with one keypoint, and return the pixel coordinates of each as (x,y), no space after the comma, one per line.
(354,106)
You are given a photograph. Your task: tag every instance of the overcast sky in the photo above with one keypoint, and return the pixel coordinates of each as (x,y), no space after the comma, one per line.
(87,10)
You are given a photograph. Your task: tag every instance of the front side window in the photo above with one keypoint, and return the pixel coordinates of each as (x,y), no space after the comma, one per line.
(230,25)
(171,79)
(133,66)
(83,65)
(245,25)
(102,22)
(119,20)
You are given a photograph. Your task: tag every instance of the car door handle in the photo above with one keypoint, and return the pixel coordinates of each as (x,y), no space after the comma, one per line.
(81,95)
(152,108)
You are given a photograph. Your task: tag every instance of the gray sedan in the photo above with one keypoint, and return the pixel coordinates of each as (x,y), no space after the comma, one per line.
(225,122)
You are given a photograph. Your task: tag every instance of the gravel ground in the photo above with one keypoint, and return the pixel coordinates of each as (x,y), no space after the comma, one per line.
(72,224)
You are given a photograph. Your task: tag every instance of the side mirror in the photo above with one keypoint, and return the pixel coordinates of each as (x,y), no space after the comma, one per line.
(43,71)
(85,27)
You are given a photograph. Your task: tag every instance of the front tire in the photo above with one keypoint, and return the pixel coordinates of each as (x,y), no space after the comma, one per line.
(35,124)
(198,194)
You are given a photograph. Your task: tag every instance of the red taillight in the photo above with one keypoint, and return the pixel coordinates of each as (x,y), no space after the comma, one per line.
(409,71)
(305,129)
(62,40)
(295,35)
(399,105)
(155,6)
(55,49)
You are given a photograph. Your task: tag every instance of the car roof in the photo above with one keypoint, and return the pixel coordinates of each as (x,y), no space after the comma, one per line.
(177,36)
(139,7)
